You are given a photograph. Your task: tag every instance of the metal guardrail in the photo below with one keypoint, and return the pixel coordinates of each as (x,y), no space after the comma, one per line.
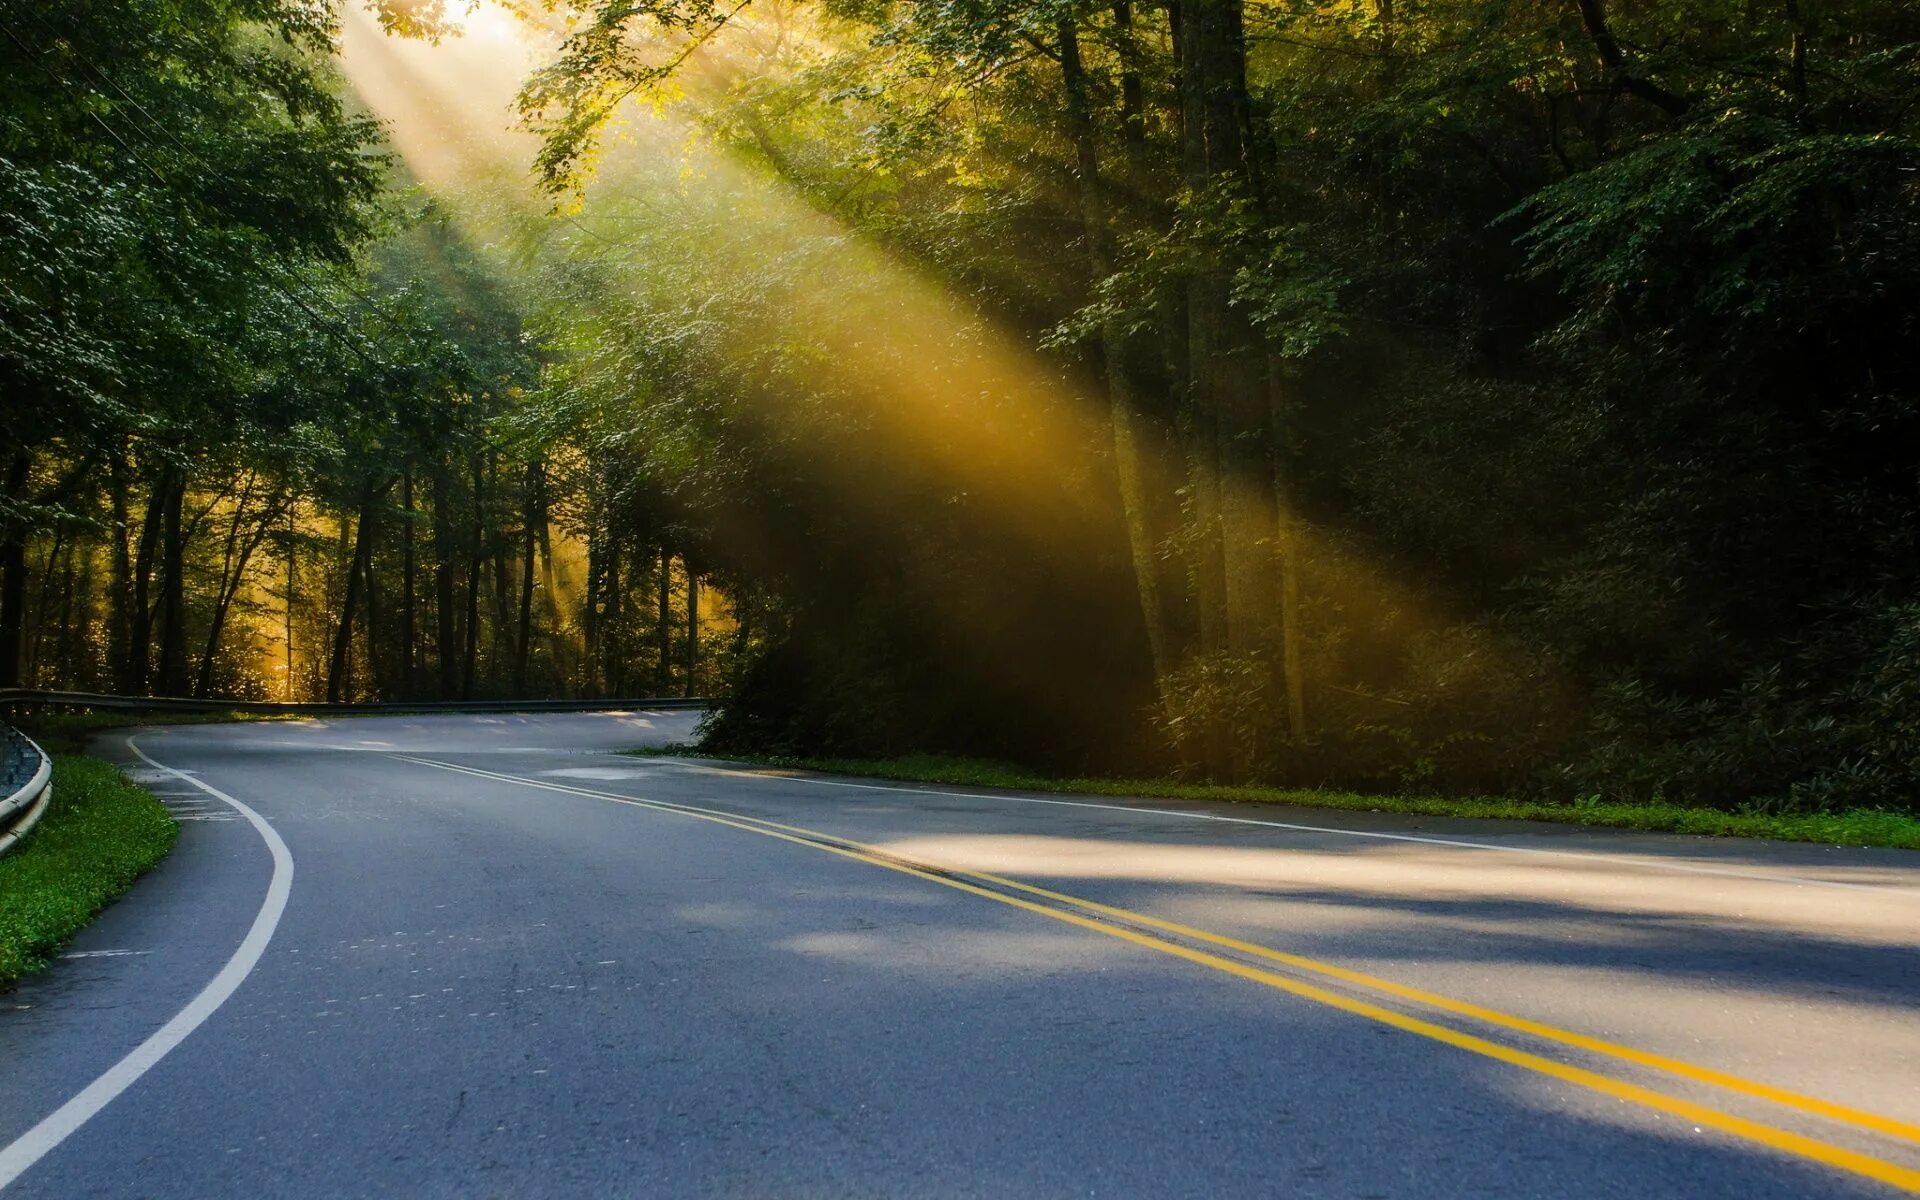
(26,786)
(31,698)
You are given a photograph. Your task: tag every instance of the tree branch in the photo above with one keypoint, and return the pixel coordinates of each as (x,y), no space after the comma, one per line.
(1615,58)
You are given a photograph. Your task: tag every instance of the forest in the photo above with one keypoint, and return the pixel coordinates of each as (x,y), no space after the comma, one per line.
(1465,396)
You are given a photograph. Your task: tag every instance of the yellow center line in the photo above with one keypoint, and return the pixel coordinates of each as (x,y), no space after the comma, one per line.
(1813,1105)
(1905,1178)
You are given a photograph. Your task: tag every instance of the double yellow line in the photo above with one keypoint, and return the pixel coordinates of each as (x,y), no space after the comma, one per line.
(1129,926)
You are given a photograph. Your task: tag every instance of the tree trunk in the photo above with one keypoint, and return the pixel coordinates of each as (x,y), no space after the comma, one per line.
(43,603)
(140,640)
(471,651)
(1619,70)
(73,647)
(693,630)
(233,575)
(529,543)
(173,594)
(370,613)
(1234,368)
(590,612)
(1230,455)
(13,603)
(230,549)
(1120,400)
(663,625)
(1246,518)
(446,642)
(500,646)
(349,605)
(610,619)
(293,557)
(559,652)
(1287,554)
(119,599)
(38,605)
(409,599)
(13,576)
(13,606)
(1202,333)
(742,628)
(1133,116)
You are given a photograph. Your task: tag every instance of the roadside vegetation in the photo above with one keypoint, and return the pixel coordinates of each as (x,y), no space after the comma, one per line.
(101,833)
(1856,827)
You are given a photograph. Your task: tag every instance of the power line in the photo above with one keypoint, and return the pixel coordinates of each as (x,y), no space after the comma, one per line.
(106,78)
(320,322)
(110,82)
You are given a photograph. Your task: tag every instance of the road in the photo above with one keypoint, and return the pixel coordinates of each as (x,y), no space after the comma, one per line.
(491,957)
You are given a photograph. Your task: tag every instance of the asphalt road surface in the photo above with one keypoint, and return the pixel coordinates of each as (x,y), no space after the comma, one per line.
(488,956)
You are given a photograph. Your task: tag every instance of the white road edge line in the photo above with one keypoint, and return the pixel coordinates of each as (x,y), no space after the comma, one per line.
(31,1146)
(1596,855)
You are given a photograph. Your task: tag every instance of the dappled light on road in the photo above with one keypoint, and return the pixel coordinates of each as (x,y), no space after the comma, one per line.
(1350,868)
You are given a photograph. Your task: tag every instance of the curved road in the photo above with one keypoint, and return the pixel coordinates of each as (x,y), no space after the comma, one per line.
(492,957)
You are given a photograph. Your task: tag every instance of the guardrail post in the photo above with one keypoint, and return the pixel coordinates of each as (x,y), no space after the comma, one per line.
(26,786)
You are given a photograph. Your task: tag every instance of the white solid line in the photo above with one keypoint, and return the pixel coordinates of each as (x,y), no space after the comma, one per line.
(1597,855)
(34,1144)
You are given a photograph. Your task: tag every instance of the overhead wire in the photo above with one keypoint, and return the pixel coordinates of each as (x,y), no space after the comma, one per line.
(340,320)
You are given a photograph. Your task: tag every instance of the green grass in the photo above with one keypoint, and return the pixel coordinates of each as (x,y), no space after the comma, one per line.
(1860,827)
(101,833)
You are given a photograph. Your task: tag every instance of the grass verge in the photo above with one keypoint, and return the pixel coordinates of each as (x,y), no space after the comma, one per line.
(101,833)
(1859,827)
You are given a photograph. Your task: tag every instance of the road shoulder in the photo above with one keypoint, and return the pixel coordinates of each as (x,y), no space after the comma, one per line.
(139,962)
